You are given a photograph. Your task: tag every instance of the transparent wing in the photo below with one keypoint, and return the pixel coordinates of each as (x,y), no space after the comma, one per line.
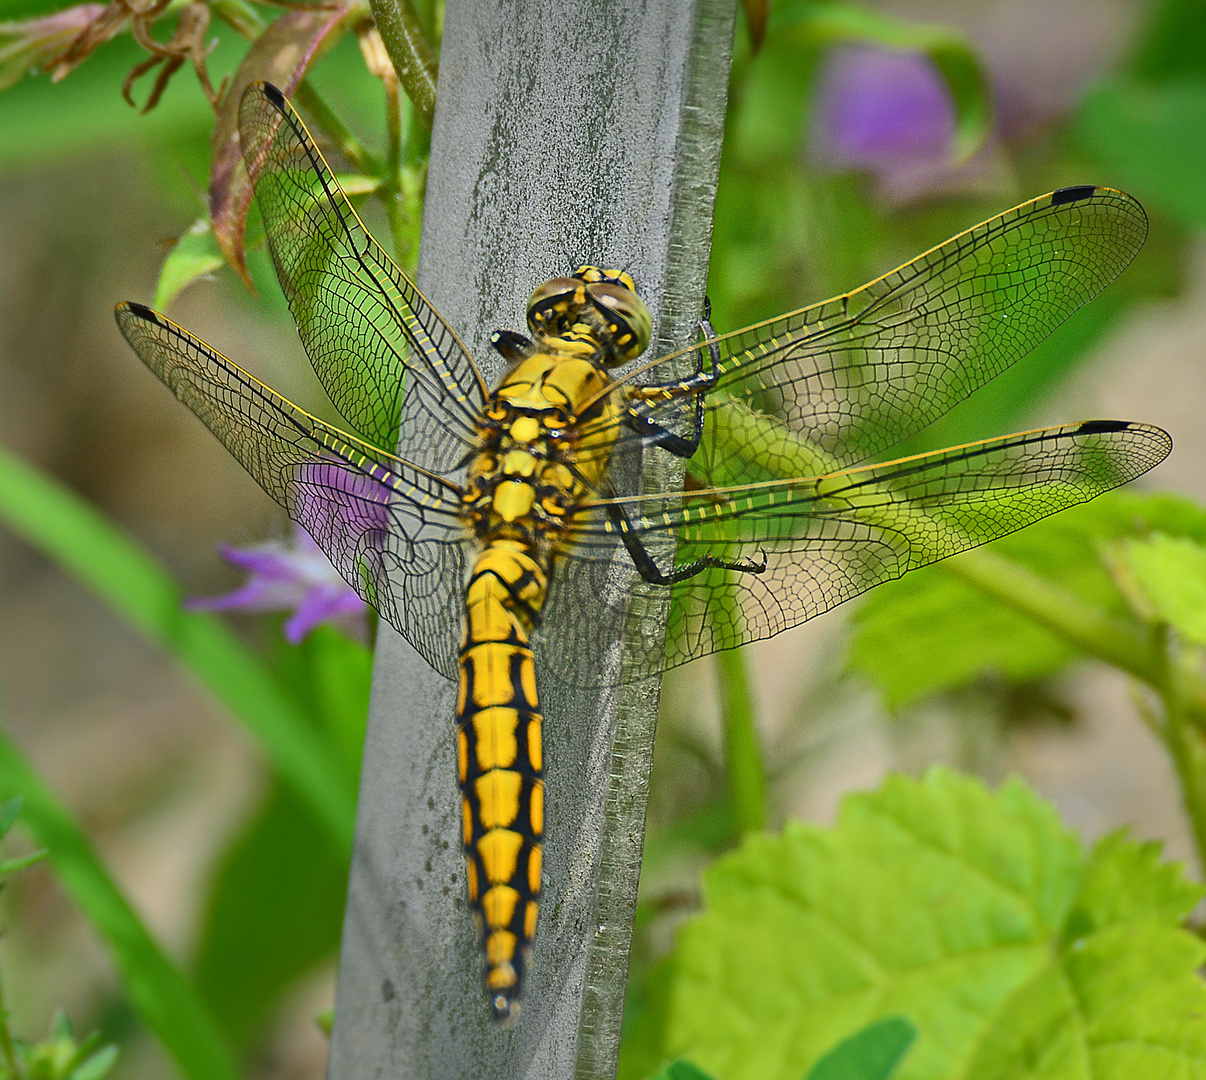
(859,373)
(391,529)
(830,538)
(384,355)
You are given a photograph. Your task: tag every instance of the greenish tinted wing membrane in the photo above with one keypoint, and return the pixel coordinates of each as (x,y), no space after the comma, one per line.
(859,373)
(828,539)
(392,530)
(391,365)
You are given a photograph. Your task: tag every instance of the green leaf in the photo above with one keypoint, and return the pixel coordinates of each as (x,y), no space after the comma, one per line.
(931,632)
(870,1054)
(96,1066)
(275,911)
(681,1070)
(1017,955)
(1169,46)
(1151,139)
(354,184)
(332,675)
(67,530)
(1170,572)
(194,255)
(153,984)
(11,866)
(9,813)
(829,22)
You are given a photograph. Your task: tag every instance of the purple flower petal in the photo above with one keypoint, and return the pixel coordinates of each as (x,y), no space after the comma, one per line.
(323,603)
(880,110)
(297,578)
(254,595)
(273,563)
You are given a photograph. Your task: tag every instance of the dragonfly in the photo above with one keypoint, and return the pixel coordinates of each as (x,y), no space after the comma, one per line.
(504,530)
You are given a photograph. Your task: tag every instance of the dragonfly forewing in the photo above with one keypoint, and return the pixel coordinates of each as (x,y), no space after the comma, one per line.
(391,529)
(828,539)
(386,358)
(861,372)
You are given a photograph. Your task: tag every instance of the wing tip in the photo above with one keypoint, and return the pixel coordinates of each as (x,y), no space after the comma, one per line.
(1076,193)
(1103,427)
(139,311)
(274,96)
(1157,442)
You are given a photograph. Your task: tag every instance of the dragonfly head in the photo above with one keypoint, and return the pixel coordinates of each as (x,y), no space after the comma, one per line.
(595,311)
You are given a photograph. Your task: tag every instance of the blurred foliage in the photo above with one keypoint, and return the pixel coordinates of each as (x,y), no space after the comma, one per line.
(931,632)
(976,915)
(61,1056)
(789,230)
(870,1054)
(156,988)
(57,522)
(1170,574)
(874,1053)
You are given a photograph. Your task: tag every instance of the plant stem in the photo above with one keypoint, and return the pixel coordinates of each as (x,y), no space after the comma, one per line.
(1098,634)
(742,754)
(336,130)
(7,1050)
(410,52)
(391,192)
(240,15)
(1184,744)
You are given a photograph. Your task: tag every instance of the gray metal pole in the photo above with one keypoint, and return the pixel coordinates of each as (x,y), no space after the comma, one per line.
(564,133)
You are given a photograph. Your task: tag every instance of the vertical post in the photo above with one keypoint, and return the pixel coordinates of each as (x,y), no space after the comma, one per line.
(564,133)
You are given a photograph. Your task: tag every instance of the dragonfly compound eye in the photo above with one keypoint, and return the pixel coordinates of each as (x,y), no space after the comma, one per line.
(554,307)
(628,323)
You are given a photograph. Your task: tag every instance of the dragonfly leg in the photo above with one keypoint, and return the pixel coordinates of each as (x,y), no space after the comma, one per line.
(648,569)
(698,384)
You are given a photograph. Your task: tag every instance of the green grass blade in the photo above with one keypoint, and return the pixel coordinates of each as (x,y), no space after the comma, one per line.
(67,530)
(154,985)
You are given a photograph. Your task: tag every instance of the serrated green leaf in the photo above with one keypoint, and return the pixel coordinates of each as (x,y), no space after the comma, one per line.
(1170,572)
(1126,880)
(931,632)
(194,255)
(870,1054)
(976,914)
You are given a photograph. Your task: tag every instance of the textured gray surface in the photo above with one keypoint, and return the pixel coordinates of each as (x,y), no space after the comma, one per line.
(564,133)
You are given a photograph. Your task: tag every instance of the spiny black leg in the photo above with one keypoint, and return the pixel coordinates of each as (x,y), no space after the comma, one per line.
(698,384)
(648,569)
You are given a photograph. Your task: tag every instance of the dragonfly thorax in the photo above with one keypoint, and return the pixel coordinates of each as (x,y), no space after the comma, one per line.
(595,314)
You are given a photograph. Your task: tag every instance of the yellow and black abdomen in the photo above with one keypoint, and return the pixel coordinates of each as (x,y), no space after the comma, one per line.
(499,761)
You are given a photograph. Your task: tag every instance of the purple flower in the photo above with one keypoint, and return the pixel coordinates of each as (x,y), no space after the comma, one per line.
(295,577)
(885,112)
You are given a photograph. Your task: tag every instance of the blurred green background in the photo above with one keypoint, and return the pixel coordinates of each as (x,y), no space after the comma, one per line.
(819,192)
